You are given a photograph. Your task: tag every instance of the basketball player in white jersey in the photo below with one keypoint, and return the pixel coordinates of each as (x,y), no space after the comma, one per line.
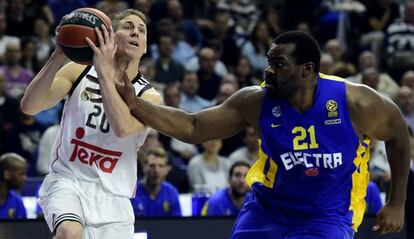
(93,169)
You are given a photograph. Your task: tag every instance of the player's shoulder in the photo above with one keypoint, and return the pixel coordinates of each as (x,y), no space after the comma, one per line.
(360,96)
(72,70)
(219,196)
(168,187)
(248,95)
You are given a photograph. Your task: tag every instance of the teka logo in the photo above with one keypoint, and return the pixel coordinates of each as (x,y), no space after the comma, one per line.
(104,159)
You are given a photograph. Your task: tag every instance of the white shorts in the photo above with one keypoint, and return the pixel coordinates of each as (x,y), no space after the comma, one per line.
(102,215)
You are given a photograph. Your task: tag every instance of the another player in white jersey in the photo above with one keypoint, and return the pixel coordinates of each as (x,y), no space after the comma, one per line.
(93,169)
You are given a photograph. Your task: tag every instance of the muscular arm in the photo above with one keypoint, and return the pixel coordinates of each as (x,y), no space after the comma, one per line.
(221,121)
(50,85)
(381,119)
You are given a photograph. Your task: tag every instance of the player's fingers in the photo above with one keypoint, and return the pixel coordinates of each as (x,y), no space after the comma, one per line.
(92,78)
(100,37)
(91,44)
(112,33)
(105,33)
(94,91)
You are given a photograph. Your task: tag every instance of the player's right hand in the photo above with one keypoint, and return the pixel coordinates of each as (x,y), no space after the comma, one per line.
(58,48)
(390,219)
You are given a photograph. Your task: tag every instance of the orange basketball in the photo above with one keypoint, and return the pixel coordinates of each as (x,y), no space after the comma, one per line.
(75,27)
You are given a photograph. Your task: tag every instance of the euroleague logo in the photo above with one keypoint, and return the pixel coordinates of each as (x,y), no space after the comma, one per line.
(332,108)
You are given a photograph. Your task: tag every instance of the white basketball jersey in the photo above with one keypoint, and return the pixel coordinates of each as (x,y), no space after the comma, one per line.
(87,148)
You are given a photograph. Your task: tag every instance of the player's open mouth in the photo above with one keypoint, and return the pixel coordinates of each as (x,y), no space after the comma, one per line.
(134,44)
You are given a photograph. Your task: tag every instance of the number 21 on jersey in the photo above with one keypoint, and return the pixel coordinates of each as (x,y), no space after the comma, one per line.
(304,138)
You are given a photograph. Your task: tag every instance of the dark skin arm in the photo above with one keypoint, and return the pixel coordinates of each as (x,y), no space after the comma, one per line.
(216,122)
(379,118)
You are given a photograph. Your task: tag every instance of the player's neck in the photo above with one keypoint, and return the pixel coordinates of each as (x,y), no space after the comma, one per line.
(131,66)
(304,97)
(151,189)
(237,199)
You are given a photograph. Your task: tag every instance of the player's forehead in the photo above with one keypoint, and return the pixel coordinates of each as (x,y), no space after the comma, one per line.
(280,51)
(132,20)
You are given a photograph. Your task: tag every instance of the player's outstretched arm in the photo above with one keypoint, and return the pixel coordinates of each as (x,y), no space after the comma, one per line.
(378,117)
(216,122)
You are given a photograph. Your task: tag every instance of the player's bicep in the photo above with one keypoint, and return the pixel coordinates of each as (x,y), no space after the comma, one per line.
(220,121)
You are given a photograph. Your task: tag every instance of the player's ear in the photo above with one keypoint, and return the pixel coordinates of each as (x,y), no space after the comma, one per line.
(308,69)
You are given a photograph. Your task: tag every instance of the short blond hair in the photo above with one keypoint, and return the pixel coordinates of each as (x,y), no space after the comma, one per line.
(121,15)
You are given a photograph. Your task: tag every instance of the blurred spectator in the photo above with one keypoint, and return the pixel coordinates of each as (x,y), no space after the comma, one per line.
(4,38)
(13,169)
(44,40)
(225,34)
(271,16)
(182,51)
(250,152)
(405,101)
(230,79)
(167,70)
(225,91)
(255,49)
(219,67)
(62,7)
(154,196)
(9,111)
(399,43)
(187,29)
(143,6)
(335,49)
(208,170)
(408,79)
(373,199)
(244,14)
(228,201)
(17,77)
(379,167)
(209,80)
(327,65)
(111,7)
(409,205)
(29,58)
(190,100)
(24,138)
(40,8)
(19,23)
(45,147)
(172,97)
(379,15)
(386,84)
(370,78)
(244,73)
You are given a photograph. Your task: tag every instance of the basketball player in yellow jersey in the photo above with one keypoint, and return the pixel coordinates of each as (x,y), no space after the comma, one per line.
(311,176)
(93,169)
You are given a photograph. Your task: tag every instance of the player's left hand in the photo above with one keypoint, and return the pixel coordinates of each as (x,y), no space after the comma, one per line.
(390,219)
